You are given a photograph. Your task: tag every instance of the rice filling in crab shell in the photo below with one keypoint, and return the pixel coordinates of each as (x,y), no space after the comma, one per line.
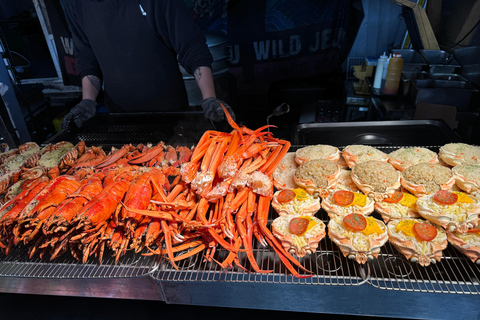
(376,179)
(318,175)
(467,243)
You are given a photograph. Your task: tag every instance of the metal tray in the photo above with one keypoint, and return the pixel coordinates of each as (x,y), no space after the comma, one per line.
(377,133)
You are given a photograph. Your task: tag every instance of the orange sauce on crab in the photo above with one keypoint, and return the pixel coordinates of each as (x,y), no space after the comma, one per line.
(372,227)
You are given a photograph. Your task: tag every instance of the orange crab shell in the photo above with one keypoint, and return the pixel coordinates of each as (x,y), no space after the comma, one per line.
(309,184)
(311,238)
(306,207)
(451,155)
(333,209)
(402,165)
(471,250)
(436,214)
(390,211)
(335,156)
(469,185)
(284,179)
(347,247)
(419,190)
(352,159)
(369,190)
(405,245)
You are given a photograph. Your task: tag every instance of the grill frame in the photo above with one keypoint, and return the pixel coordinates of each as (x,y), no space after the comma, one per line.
(344,272)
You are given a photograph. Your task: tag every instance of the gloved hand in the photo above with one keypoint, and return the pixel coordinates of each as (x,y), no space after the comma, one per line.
(83,111)
(213,111)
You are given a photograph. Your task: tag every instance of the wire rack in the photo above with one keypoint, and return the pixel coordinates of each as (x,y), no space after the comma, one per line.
(18,264)
(327,264)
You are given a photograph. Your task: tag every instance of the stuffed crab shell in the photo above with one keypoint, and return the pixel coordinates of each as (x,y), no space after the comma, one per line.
(357,236)
(295,202)
(357,153)
(319,151)
(418,240)
(376,179)
(455,154)
(406,157)
(283,174)
(345,181)
(467,243)
(451,210)
(426,178)
(467,177)
(317,176)
(343,202)
(397,206)
(299,235)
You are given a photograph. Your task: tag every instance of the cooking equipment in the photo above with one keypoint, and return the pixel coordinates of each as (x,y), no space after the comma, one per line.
(376,133)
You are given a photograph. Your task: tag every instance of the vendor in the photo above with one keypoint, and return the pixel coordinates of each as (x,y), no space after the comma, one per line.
(132,48)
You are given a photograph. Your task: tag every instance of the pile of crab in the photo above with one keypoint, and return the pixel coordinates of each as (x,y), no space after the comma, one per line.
(150,199)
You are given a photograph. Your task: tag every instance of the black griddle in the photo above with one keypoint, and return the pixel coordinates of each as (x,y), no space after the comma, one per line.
(117,129)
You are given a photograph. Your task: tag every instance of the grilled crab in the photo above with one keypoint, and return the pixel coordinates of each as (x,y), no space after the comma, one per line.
(467,243)
(451,210)
(402,236)
(359,203)
(299,235)
(467,177)
(455,154)
(359,245)
(295,202)
(426,178)
(319,151)
(376,179)
(318,176)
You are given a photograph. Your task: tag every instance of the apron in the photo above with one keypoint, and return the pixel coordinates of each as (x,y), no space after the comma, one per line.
(140,73)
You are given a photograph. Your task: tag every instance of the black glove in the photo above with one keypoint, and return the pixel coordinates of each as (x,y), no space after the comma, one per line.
(213,111)
(83,111)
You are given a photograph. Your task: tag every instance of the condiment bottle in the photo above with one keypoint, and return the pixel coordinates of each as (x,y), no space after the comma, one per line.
(377,82)
(394,73)
(384,72)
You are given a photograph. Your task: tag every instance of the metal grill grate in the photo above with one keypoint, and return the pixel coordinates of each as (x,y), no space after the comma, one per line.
(453,274)
(328,265)
(18,264)
(118,129)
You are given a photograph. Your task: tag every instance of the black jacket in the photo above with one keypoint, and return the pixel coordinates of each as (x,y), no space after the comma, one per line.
(133,45)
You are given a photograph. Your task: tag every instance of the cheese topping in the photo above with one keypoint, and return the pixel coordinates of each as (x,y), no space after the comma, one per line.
(406,227)
(359,200)
(300,194)
(372,227)
(463,197)
(408,200)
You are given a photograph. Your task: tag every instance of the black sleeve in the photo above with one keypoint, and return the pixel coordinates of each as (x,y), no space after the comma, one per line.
(178,31)
(87,63)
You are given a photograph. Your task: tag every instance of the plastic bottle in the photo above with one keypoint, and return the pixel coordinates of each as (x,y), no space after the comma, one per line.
(394,73)
(384,72)
(377,82)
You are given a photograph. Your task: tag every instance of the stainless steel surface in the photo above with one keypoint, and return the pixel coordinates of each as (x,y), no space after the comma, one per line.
(445,92)
(138,288)
(18,264)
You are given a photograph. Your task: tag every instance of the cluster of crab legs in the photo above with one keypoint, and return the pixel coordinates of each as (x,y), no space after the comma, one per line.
(157,200)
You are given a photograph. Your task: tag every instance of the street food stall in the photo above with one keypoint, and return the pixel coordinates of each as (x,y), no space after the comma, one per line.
(229,248)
